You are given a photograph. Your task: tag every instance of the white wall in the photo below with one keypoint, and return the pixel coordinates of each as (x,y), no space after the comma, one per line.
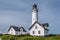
(34,15)
(36,30)
(22,32)
(12,31)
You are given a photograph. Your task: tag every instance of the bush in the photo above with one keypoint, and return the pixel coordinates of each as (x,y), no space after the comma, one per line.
(28,37)
(7,37)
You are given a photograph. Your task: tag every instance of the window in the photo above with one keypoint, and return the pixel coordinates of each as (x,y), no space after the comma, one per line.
(35,27)
(38,32)
(33,32)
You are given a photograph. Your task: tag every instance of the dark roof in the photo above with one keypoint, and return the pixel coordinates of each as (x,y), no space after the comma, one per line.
(34,6)
(23,29)
(43,25)
(16,28)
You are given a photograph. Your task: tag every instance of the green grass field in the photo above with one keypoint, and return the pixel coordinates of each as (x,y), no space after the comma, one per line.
(28,37)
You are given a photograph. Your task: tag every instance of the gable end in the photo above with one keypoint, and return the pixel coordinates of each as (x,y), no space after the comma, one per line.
(43,25)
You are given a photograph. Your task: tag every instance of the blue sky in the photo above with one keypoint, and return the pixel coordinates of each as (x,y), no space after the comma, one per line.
(18,12)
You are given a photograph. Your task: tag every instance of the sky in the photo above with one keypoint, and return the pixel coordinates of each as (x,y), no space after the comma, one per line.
(19,13)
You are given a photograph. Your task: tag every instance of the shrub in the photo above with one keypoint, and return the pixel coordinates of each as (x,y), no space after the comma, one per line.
(28,37)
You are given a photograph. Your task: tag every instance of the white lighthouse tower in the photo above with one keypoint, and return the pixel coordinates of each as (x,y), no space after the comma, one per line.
(37,29)
(34,14)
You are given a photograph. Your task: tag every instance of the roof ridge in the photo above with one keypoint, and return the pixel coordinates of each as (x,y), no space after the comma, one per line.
(43,25)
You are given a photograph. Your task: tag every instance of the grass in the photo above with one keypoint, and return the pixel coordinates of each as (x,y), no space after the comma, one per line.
(28,37)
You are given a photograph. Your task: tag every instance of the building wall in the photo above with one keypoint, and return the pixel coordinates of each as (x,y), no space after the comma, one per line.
(34,16)
(46,32)
(22,31)
(11,31)
(39,28)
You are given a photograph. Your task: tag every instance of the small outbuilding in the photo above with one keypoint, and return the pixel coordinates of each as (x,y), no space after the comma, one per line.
(14,30)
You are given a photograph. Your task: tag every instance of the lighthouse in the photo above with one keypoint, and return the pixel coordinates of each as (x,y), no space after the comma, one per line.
(34,14)
(37,29)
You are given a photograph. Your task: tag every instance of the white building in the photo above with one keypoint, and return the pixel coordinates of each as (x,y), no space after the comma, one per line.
(36,28)
(13,30)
